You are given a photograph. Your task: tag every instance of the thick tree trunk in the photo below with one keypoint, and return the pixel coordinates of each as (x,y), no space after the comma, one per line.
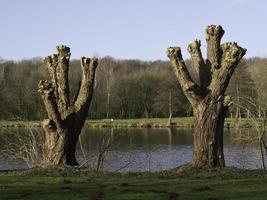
(206,94)
(61,148)
(208,135)
(65,118)
(61,143)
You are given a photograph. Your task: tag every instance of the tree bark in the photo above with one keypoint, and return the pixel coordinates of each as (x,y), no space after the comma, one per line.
(65,118)
(207,94)
(208,134)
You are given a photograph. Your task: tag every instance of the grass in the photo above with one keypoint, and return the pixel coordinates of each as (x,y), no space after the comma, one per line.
(186,122)
(142,122)
(181,183)
(19,123)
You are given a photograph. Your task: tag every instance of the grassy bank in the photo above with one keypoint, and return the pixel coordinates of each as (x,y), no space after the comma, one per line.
(142,122)
(70,184)
(179,122)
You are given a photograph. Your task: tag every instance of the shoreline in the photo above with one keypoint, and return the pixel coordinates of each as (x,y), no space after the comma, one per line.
(179,122)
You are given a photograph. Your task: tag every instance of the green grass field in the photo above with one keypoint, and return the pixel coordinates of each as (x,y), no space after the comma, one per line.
(171,185)
(186,122)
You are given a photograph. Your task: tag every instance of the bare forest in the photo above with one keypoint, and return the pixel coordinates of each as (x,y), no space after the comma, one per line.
(126,89)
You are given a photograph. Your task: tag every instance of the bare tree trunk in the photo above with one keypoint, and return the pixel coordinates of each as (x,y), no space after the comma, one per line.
(108,101)
(170,109)
(65,118)
(237,114)
(206,95)
(108,82)
(262,154)
(208,135)
(108,71)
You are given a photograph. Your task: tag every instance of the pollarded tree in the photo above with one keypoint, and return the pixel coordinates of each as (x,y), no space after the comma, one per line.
(65,117)
(206,95)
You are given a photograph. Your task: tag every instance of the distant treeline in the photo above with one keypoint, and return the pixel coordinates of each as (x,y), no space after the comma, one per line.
(127,89)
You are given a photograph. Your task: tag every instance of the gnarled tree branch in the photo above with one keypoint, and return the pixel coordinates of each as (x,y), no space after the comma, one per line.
(51,63)
(46,90)
(213,36)
(83,100)
(191,89)
(231,55)
(62,76)
(202,70)
(58,67)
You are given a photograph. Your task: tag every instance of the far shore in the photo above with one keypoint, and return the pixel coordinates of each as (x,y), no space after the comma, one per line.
(178,122)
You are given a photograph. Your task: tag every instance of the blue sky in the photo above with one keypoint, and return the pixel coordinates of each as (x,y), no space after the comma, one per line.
(126,29)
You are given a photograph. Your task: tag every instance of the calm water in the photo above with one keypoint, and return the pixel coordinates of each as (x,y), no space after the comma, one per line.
(137,149)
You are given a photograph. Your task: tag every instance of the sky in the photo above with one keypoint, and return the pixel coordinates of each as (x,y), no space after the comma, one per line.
(126,29)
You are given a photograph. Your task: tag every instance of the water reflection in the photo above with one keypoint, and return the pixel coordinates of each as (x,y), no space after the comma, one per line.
(146,149)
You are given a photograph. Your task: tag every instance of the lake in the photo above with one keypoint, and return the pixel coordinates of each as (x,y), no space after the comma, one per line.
(136,149)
